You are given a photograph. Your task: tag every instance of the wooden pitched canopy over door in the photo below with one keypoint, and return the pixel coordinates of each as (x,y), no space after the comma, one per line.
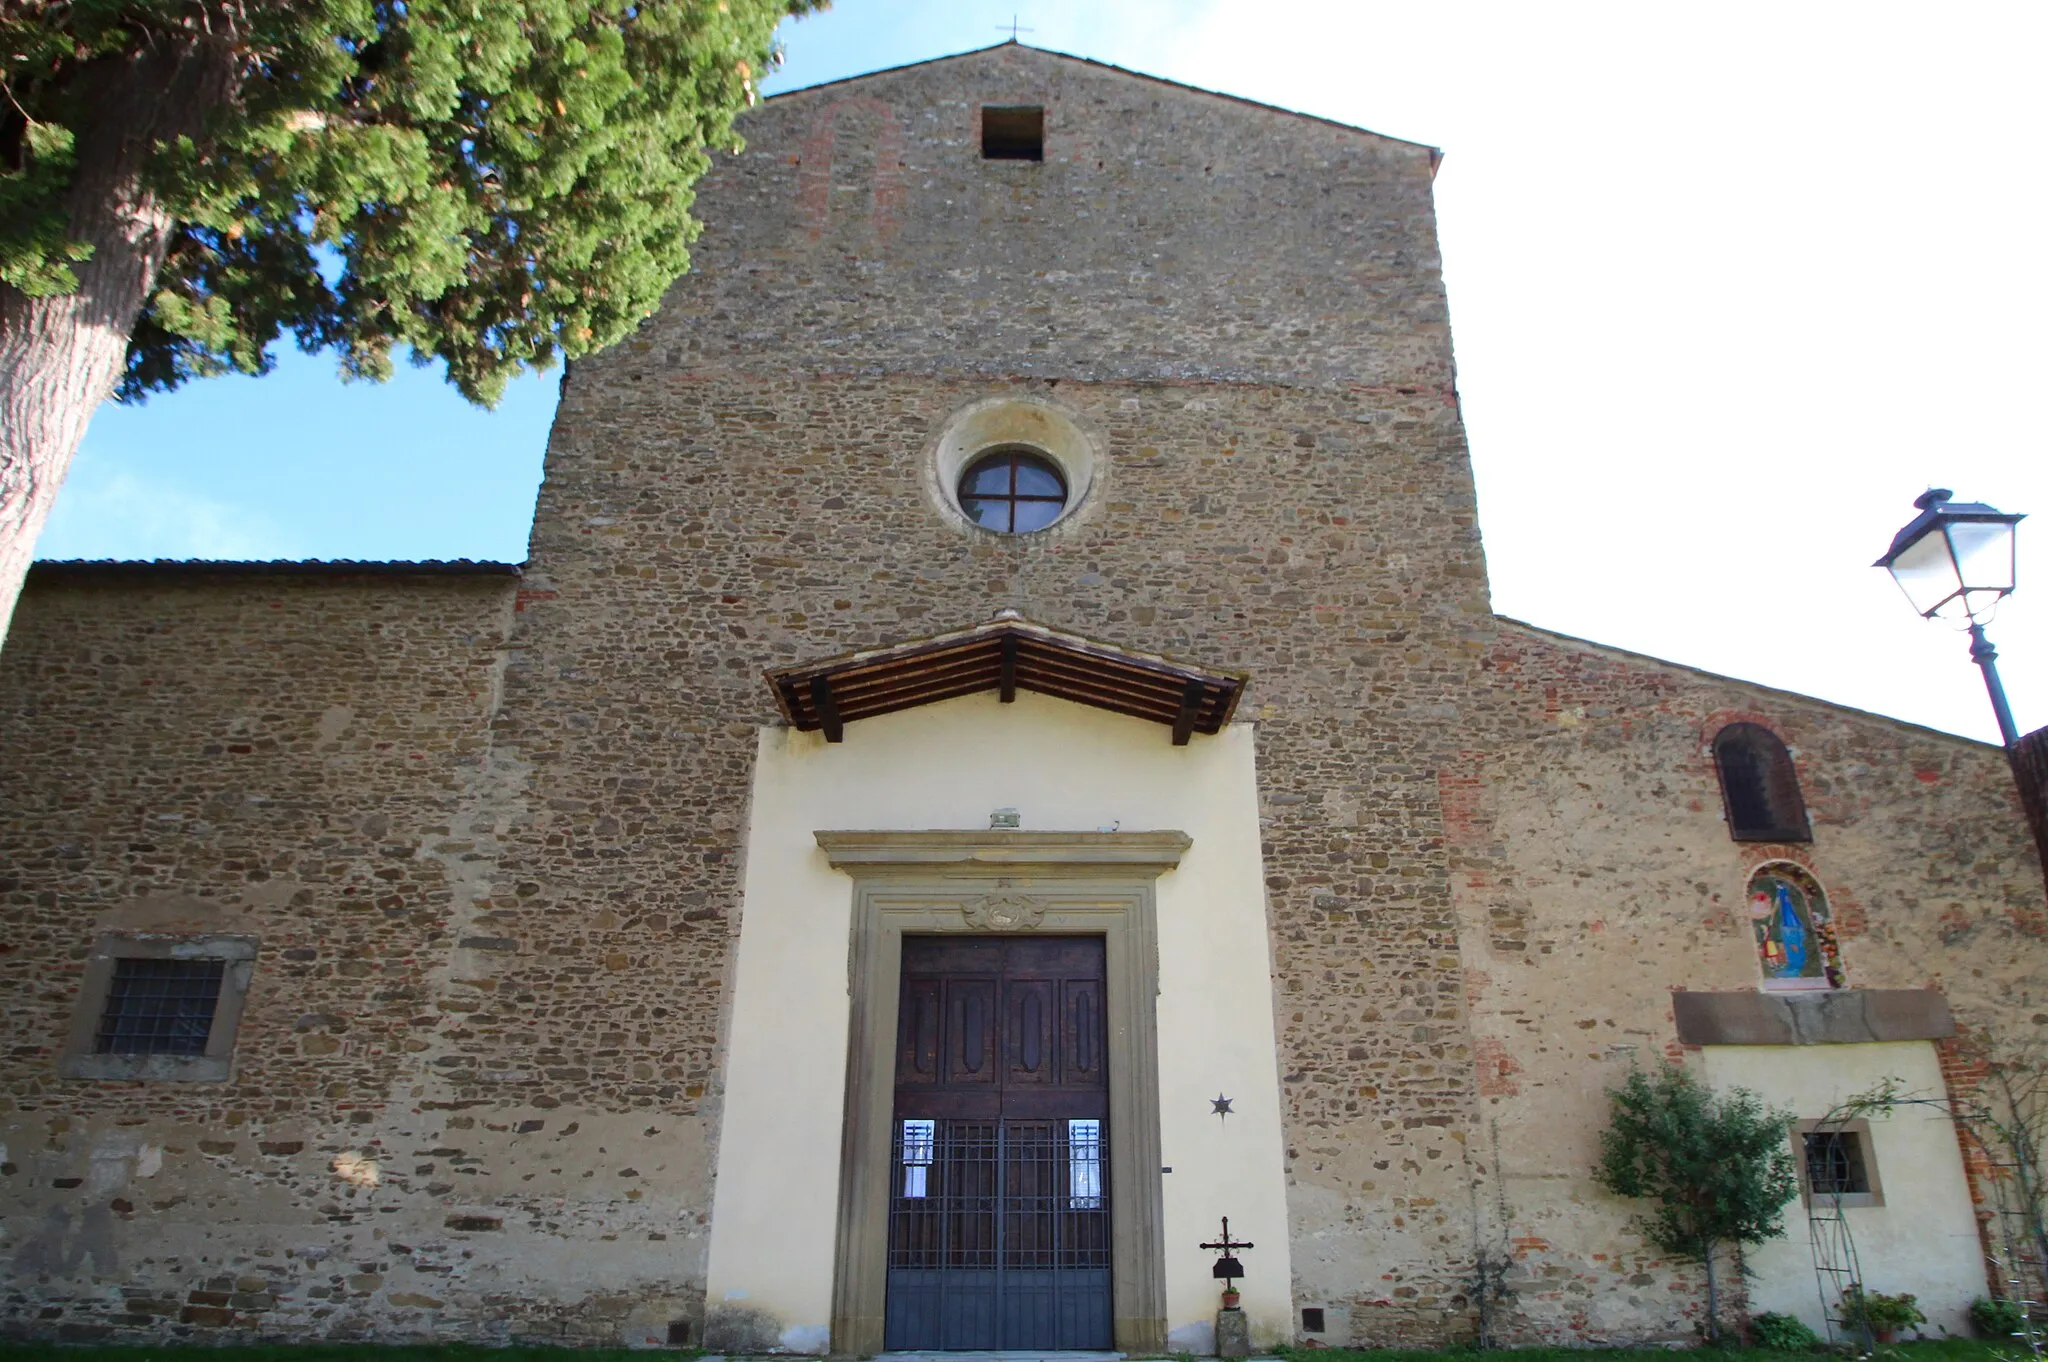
(999,1200)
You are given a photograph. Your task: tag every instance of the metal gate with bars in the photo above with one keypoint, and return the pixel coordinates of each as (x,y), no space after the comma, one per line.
(998,1236)
(999,1208)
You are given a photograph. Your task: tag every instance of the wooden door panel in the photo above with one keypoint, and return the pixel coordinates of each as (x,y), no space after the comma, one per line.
(971,1033)
(1082,1041)
(991,1025)
(1030,1046)
(917,1034)
(999,1218)
(956,954)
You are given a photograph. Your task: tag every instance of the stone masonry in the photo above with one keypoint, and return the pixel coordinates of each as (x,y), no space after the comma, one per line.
(486,822)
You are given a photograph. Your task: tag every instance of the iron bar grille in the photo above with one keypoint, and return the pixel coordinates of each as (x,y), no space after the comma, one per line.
(988,1194)
(159,1007)
(1834,1163)
(999,1235)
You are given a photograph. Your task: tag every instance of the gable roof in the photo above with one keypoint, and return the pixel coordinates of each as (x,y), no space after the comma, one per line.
(1436,154)
(52,571)
(1004,655)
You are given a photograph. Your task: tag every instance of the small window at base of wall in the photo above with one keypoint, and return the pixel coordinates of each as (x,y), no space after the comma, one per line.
(1759,787)
(1312,1319)
(1835,1164)
(159,1007)
(1012,133)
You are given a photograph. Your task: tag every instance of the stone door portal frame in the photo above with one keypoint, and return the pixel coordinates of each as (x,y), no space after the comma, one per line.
(1065,883)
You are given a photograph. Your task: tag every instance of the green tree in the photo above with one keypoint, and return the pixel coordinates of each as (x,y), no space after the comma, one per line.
(1717,1165)
(487,183)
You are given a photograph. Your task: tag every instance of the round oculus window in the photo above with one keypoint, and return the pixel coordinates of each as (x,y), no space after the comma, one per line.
(1013,491)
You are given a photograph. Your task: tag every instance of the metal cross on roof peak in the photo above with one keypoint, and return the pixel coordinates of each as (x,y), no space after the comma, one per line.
(1014,27)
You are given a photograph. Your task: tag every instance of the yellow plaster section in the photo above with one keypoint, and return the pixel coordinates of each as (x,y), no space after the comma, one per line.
(1064,767)
(1923,1239)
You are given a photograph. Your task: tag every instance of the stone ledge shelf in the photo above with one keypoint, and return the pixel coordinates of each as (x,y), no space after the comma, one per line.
(969,847)
(1839,1017)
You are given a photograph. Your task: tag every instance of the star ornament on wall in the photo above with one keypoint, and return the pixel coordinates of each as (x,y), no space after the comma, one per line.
(1221,1106)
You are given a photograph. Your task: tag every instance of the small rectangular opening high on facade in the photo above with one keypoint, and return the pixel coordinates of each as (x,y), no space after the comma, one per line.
(1012,132)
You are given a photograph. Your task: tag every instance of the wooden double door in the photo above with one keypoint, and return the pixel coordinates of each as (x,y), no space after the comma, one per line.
(999,1209)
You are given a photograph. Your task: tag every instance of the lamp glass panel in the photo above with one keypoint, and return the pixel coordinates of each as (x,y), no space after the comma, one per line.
(1983,552)
(1926,573)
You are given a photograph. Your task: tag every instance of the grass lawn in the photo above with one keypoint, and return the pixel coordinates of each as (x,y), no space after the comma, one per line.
(1944,1350)
(1938,1350)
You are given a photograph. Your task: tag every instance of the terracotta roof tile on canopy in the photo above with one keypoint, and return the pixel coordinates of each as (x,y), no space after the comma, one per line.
(1007,654)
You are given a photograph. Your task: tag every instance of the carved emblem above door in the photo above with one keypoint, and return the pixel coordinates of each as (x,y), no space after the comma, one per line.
(1003,910)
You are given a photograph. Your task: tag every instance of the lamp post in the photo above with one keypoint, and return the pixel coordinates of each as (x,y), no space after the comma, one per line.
(1955,560)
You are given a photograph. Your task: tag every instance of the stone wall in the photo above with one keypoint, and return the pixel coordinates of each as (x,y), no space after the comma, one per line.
(296,755)
(489,830)
(1244,307)
(1594,875)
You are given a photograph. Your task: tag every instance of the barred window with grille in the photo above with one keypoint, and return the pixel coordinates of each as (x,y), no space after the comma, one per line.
(1759,786)
(1835,1163)
(159,1007)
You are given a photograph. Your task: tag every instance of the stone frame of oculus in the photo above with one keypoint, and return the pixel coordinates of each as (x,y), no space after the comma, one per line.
(159,1007)
(1014,467)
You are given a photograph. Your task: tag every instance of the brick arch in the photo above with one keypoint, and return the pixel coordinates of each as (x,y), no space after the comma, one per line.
(1831,927)
(1719,719)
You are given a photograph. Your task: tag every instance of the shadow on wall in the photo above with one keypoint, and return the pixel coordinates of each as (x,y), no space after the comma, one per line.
(735,1328)
(2029,757)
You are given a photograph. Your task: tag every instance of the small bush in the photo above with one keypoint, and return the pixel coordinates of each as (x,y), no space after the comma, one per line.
(1782,1333)
(1996,1317)
(1879,1313)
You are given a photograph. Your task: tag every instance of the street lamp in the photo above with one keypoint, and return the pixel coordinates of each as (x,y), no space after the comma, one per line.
(1955,560)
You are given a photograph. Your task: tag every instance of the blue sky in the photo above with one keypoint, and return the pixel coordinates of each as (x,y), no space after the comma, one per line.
(1730,285)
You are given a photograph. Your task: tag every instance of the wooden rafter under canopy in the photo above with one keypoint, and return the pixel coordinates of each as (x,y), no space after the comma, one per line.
(1007,654)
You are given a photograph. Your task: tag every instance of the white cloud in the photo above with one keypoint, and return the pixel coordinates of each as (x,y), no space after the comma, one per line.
(119,514)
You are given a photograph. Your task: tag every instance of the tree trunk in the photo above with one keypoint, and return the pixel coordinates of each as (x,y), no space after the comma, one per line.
(61,356)
(1713,1296)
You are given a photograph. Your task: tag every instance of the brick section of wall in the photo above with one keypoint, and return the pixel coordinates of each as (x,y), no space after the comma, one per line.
(1589,790)
(1168,233)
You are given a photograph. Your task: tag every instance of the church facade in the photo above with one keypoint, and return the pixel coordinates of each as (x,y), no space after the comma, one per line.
(1000,758)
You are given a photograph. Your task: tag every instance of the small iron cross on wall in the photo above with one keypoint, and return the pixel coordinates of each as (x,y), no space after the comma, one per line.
(1227,1267)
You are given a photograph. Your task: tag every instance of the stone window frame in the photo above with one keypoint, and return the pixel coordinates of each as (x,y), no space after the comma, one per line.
(1029,423)
(1066,883)
(215,1064)
(1776,777)
(1859,1130)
